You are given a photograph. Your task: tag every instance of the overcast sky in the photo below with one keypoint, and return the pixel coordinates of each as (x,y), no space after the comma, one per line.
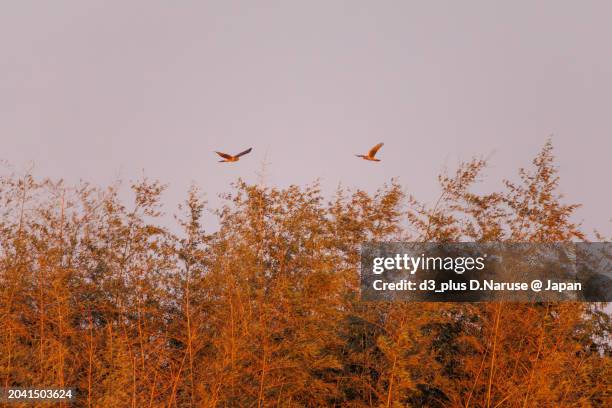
(104,89)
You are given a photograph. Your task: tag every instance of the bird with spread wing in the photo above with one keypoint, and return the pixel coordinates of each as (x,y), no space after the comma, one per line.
(228,158)
(372,153)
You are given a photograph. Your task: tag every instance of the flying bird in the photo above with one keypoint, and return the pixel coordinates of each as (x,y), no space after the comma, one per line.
(227,158)
(372,153)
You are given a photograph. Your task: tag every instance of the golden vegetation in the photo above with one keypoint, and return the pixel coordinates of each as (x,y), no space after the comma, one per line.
(94,294)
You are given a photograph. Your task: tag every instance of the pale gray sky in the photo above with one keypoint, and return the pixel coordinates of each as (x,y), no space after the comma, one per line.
(101,89)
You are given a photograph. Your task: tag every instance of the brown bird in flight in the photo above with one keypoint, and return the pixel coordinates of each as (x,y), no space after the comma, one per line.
(371,153)
(227,158)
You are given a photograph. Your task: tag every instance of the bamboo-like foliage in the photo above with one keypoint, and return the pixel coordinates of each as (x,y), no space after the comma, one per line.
(95,294)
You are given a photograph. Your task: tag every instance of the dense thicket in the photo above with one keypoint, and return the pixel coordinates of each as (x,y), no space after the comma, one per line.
(96,295)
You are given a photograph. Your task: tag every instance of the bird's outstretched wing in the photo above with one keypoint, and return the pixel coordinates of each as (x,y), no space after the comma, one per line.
(224,155)
(245,152)
(375,149)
